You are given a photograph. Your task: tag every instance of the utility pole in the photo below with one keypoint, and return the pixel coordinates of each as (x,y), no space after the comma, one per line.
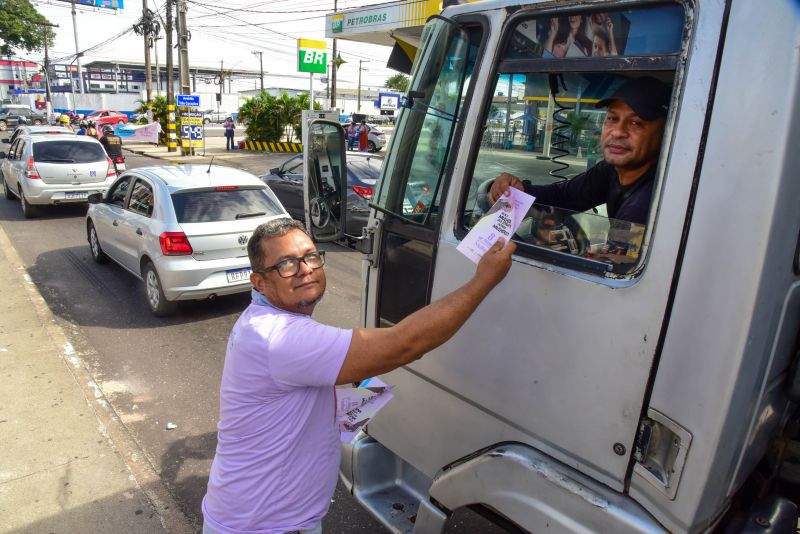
(172,138)
(221,84)
(183,48)
(332,78)
(155,41)
(77,49)
(148,76)
(360,61)
(261,65)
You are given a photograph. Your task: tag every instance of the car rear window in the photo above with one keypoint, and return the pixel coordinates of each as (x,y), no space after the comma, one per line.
(223,205)
(68,151)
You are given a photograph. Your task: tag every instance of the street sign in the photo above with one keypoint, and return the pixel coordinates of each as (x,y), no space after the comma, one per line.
(188,101)
(312,56)
(191,129)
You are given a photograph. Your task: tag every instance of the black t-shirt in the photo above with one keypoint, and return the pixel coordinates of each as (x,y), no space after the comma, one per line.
(113,145)
(600,185)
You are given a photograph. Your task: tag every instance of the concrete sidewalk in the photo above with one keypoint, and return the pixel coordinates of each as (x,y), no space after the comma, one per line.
(258,163)
(68,464)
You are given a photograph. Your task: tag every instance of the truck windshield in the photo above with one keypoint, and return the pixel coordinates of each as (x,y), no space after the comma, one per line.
(413,169)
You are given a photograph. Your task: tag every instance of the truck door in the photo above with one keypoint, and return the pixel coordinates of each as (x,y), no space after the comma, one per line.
(559,355)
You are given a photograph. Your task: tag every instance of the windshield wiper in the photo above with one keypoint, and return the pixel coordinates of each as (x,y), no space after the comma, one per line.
(248,215)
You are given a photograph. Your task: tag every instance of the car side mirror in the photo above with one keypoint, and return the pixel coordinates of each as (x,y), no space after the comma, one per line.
(7,140)
(275,170)
(3,155)
(325,186)
(95,198)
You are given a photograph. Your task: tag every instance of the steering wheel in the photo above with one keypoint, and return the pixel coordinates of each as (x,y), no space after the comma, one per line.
(320,212)
(482,195)
(552,228)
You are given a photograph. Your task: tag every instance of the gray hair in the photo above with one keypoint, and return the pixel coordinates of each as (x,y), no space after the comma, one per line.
(256,246)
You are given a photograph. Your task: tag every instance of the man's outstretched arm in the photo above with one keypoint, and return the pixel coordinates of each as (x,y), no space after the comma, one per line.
(374,351)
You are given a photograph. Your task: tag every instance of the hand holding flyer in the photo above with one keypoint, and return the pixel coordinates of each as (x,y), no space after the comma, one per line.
(356,406)
(502,220)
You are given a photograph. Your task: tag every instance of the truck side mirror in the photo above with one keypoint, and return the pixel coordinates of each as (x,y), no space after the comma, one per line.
(325,189)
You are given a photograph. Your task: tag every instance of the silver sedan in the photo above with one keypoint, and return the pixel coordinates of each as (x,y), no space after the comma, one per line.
(182,229)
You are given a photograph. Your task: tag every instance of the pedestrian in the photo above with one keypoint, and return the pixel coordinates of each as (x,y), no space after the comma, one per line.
(229,126)
(363,136)
(277,457)
(352,136)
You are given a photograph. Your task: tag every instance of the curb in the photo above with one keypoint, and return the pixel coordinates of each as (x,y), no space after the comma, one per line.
(119,436)
(263,146)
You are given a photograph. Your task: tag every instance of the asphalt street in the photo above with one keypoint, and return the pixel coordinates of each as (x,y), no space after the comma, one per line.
(159,371)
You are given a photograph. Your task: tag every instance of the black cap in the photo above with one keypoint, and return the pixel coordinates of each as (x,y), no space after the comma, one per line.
(647,96)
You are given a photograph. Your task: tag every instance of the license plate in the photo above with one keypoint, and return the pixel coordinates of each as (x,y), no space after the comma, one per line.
(120,167)
(76,194)
(237,275)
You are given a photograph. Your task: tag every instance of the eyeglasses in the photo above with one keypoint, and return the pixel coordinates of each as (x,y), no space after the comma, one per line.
(291,266)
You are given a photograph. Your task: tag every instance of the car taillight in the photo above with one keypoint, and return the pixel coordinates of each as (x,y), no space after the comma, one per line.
(111,171)
(31,171)
(119,159)
(363,192)
(175,244)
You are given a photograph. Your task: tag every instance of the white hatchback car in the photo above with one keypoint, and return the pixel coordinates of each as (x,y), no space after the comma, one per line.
(182,229)
(54,169)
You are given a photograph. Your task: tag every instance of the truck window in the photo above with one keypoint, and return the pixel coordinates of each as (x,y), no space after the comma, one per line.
(426,129)
(548,122)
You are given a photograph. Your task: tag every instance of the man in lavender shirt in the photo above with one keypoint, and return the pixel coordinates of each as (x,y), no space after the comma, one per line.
(277,453)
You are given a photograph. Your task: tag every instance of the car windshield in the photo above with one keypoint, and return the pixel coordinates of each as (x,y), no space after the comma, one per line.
(223,205)
(68,151)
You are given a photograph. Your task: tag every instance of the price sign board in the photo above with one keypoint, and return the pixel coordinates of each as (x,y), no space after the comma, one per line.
(191,128)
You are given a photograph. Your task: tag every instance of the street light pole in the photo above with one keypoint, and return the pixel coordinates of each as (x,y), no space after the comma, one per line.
(261,65)
(360,61)
(77,49)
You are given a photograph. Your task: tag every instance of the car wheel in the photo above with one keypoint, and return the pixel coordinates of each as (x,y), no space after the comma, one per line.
(156,300)
(37,122)
(3,126)
(94,244)
(9,194)
(372,147)
(28,211)
(206,121)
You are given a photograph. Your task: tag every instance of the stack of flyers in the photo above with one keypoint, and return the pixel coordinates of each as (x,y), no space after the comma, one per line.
(502,220)
(356,406)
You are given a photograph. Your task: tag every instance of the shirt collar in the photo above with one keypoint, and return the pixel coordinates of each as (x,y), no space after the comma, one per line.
(259,299)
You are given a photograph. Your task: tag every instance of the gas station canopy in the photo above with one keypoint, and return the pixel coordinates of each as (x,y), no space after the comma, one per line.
(397,24)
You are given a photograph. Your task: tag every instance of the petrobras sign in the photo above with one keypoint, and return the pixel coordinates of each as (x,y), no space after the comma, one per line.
(381,17)
(312,56)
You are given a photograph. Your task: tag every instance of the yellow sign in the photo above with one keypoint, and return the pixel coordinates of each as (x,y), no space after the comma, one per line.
(191,127)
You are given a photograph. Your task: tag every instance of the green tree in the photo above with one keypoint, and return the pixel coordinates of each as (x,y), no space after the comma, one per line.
(270,118)
(22,27)
(399,82)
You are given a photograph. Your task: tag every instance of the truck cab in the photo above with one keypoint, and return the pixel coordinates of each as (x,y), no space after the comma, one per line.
(626,376)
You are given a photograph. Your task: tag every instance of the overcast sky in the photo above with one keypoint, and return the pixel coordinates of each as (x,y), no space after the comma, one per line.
(227,33)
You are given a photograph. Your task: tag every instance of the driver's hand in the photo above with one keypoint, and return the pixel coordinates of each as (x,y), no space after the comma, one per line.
(495,263)
(501,185)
